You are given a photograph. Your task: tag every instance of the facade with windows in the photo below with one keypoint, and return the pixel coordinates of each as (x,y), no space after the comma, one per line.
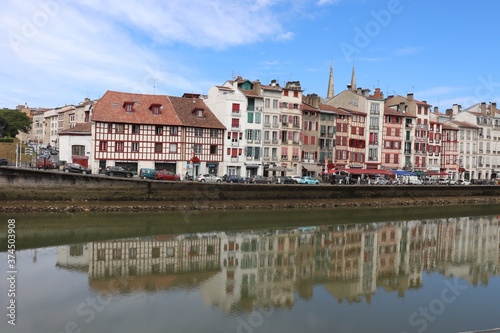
(240,108)
(135,131)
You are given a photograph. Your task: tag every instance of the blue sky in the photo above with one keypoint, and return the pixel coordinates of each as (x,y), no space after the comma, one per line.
(57,52)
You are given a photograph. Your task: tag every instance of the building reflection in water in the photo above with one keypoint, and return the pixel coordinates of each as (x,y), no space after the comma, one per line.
(241,271)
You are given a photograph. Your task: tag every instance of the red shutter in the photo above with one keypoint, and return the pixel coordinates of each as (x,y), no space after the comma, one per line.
(306,140)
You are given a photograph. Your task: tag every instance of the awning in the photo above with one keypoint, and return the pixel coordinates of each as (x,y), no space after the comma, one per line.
(368,171)
(279,168)
(403,173)
(437,173)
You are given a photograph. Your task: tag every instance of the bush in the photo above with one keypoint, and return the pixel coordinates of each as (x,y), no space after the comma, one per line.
(6,139)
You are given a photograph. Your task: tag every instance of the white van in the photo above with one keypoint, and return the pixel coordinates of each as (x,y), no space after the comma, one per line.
(414,180)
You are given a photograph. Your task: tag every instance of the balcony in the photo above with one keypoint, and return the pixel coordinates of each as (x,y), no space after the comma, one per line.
(296,125)
(275,142)
(266,158)
(276,125)
(267,141)
(235,114)
(295,158)
(267,124)
(235,143)
(234,159)
(274,158)
(235,127)
(256,141)
(284,157)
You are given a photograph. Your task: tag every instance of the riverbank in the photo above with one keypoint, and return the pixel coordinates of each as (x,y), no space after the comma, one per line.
(135,206)
(23,190)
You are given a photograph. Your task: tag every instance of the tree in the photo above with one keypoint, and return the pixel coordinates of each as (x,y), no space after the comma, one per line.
(12,122)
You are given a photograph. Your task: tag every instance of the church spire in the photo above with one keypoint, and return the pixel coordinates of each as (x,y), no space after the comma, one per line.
(331,91)
(353,79)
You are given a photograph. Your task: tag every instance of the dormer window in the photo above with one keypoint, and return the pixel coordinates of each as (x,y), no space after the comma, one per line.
(155,108)
(128,106)
(198,113)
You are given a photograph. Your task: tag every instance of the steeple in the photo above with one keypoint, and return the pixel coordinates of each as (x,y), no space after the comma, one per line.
(331,91)
(353,79)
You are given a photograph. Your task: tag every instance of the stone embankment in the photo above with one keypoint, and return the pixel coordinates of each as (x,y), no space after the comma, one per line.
(54,191)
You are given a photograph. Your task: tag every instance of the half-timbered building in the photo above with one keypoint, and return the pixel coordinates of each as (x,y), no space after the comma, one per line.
(180,134)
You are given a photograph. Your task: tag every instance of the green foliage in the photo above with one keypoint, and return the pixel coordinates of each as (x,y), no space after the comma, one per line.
(12,122)
(6,140)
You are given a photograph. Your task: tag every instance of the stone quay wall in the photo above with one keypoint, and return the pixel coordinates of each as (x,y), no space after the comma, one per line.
(26,185)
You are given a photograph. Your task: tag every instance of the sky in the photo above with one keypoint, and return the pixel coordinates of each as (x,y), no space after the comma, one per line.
(59,52)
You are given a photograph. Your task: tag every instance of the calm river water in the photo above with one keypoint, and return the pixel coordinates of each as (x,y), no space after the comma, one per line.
(343,270)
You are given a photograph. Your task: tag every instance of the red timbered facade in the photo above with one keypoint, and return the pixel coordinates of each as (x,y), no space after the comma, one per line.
(156,131)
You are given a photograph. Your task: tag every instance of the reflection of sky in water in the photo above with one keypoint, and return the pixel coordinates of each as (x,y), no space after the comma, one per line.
(52,299)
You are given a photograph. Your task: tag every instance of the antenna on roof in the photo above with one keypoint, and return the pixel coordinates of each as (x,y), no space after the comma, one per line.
(154,86)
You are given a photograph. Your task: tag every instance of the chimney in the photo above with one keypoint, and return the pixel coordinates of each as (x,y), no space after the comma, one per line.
(493,109)
(409,96)
(377,93)
(436,110)
(257,87)
(402,107)
(273,83)
(449,112)
(483,108)
(359,91)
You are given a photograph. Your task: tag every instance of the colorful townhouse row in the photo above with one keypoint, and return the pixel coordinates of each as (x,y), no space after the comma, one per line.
(248,128)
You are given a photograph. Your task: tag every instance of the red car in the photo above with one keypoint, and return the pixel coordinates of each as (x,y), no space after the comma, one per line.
(167,175)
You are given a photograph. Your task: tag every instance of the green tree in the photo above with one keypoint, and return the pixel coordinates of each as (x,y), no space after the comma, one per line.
(13,121)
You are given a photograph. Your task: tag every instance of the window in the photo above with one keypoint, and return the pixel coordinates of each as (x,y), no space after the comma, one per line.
(170,251)
(250,117)
(117,254)
(110,128)
(155,252)
(119,146)
(197,148)
(172,148)
(198,132)
(103,146)
(235,123)
(135,146)
(132,253)
(213,149)
(135,129)
(174,131)
(78,150)
(128,107)
(235,108)
(258,117)
(159,130)
(119,128)
(267,103)
(158,147)
(155,109)
(213,133)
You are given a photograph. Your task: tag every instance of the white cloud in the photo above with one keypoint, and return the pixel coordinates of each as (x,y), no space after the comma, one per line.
(408,50)
(69,50)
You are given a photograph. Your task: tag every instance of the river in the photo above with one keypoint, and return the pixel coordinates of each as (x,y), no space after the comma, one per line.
(340,270)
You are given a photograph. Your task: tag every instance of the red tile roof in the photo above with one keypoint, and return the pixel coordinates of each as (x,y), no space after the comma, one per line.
(185,109)
(173,110)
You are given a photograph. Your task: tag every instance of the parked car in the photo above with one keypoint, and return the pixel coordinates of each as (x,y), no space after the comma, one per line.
(46,163)
(77,168)
(208,178)
(289,180)
(379,181)
(3,161)
(308,180)
(414,180)
(463,182)
(443,181)
(260,180)
(235,179)
(296,178)
(118,172)
(167,175)
(147,173)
